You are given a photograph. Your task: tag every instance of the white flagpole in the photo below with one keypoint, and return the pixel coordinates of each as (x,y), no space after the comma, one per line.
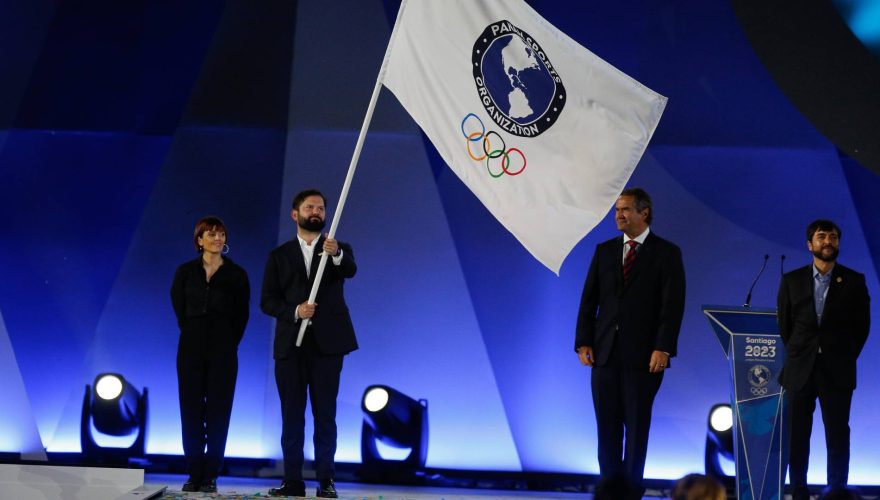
(351,168)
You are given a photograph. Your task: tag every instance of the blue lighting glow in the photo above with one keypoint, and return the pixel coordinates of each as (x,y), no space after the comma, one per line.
(863,19)
(389,452)
(108,441)
(18,430)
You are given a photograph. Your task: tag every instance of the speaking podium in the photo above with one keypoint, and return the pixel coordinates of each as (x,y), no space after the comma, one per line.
(755,356)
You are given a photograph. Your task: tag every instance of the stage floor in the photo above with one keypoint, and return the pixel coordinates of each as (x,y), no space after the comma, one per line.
(254,488)
(240,488)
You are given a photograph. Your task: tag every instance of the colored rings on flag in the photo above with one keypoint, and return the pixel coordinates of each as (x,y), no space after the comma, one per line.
(476,136)
(481,134)
(490,152)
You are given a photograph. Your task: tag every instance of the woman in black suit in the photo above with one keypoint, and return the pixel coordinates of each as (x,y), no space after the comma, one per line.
(210,296)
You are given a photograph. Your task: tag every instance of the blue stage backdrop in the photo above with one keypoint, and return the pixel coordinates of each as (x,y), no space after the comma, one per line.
(122,123)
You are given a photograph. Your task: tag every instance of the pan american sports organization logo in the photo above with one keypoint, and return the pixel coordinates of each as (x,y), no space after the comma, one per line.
(520,91)
(759,378)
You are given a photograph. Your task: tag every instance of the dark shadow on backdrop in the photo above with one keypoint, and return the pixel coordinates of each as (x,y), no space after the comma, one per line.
(822,68)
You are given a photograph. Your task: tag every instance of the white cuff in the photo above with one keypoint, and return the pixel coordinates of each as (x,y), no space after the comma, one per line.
(337,259)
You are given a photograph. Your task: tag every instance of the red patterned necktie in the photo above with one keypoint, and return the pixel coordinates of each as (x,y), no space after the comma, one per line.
(629,260)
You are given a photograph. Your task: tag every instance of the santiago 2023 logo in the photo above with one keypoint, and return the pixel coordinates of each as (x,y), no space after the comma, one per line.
(516,82)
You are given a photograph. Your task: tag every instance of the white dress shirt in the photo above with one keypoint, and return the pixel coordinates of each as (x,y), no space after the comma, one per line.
(308,251)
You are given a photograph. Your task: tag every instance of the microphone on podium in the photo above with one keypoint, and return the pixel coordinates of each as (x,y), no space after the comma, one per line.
(748,303)
(782,264)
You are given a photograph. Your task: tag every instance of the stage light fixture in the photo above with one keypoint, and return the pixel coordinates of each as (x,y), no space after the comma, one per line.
(113,408)
(719,440)
(397,421)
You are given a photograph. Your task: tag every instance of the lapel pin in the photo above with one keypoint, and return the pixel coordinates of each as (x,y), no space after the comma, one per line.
(839,279)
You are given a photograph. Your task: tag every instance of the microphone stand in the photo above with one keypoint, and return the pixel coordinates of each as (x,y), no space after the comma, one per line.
(748,303)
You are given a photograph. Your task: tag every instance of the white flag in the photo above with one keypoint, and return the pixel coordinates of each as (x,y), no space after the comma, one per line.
(545,133)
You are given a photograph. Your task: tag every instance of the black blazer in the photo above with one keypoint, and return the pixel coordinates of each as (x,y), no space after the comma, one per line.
(286,285)
(842,334)
(217,311)
(643,316)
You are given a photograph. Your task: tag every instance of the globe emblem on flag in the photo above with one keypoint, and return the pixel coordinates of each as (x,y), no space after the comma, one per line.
(516,82)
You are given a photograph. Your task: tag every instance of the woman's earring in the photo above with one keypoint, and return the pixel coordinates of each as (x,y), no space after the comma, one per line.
(225,249)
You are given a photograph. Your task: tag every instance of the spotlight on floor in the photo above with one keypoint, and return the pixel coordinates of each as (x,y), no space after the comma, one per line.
(719,440)
(116,409)
(398,424)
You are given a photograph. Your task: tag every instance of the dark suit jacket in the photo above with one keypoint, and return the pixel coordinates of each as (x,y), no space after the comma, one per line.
(842,334)
(643,316)
(286,285)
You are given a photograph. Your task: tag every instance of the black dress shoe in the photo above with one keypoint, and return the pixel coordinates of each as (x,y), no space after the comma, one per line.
(327,489)
(289,489)
(800,493)
(209,486)
(191,484)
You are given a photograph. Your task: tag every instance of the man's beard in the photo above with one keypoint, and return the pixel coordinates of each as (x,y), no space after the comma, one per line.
(831,258)
(314,224)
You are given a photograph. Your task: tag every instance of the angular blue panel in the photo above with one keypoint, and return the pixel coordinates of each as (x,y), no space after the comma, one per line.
(18,429)
(865,187)
(760,443)
(126,66)
(71,202)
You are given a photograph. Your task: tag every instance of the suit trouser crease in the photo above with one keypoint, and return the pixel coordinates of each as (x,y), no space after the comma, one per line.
(623,398)
(304,372)
(835,404)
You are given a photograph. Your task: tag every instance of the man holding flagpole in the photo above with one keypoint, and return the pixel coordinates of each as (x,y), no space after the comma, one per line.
(627,330)
(316,365)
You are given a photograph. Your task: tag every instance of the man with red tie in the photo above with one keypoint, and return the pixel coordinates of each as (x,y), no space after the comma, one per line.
(630,315)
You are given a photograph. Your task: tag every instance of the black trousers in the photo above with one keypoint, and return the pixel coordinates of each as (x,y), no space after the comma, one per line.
(835,404)
(623,398)
(306,371)
(206,386)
